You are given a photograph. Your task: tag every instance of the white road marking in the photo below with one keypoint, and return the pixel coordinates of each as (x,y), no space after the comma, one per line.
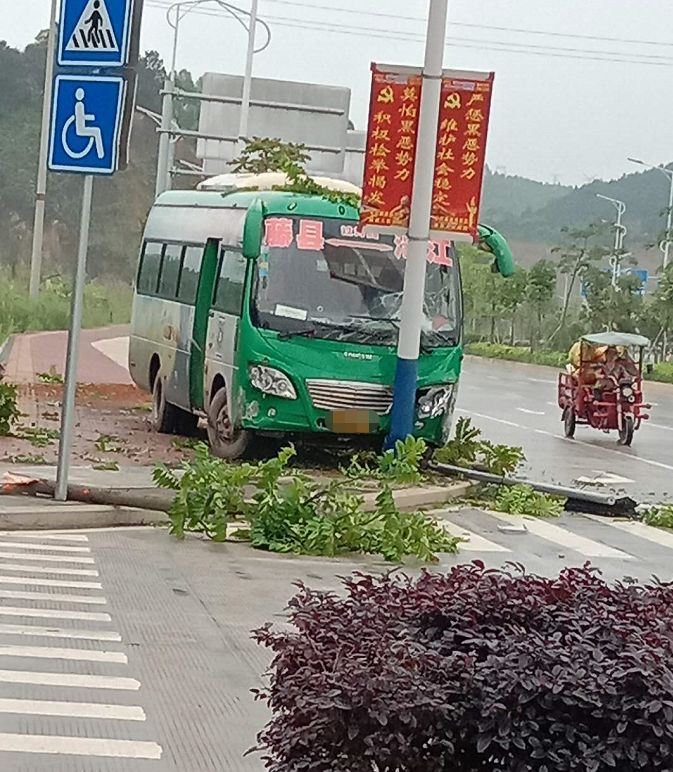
(658,426)
(69,679)
(44,547)
(49,570)
(78,746)
(45,558)
(54,652)
(60,632)
(554,404)
(93,600)
(48,536)
(530,412)
(72,709)
(563,538)
(474,543)
(630,456)
(51,613)
(489,418)
(30,582)
(116,349)
(635,528)
(542,380)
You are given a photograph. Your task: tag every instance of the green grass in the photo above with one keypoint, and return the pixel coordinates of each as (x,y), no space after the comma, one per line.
(104,304)
(663,372)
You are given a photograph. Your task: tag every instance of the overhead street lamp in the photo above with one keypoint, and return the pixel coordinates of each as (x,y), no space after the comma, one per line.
(174,15)
(620,232)
(667,241)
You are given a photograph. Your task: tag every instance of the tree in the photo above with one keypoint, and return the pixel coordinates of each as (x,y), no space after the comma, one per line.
(540,290)
(580,251)
(612,307)
(512,296)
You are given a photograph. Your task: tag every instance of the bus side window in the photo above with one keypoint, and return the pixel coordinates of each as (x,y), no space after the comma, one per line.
(189,277)
(170,271)
(229,290)
(150,265)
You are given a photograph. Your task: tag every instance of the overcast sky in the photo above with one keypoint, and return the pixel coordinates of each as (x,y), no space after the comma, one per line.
(557,113)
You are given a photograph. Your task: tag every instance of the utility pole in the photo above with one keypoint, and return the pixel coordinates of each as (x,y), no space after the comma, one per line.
(41,186)
(620,232)
(406,376)
(665,243)
(247,78)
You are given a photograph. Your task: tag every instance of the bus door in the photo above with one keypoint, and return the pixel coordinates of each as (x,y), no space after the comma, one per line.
(204,296)
(224,318)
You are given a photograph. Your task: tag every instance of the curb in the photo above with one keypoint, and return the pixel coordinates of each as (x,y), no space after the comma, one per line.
(76,516)
(43,516)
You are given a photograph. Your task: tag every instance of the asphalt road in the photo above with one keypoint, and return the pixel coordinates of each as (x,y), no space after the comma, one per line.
(516,404)
(128,651)
(510,402)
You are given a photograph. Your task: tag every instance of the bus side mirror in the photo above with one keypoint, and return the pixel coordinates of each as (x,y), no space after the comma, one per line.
(489,240)
(253,230)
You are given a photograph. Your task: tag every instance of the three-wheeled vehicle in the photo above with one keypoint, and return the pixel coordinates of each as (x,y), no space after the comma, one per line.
(602,388)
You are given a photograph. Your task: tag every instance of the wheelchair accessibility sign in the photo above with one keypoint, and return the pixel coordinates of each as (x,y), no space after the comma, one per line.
(86,122)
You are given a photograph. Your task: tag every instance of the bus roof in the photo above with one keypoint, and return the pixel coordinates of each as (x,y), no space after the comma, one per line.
(275,202)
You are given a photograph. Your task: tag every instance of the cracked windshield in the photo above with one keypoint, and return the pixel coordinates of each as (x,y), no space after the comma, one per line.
(327,279)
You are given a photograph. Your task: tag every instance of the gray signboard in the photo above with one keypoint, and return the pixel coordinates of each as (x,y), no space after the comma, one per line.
(306,113)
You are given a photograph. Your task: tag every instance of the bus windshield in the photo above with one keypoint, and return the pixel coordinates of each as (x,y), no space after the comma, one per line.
(325,279)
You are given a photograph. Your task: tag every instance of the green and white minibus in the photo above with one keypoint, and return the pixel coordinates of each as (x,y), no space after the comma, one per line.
(271,313)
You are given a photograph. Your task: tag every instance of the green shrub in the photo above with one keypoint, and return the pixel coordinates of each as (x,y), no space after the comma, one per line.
(524,500)
(662,372)
(659,517)
(401,466)
(291,513)
(468,450)
(9,408)
(517,354)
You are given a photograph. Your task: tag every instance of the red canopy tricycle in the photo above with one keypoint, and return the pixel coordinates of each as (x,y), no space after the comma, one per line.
(602,387)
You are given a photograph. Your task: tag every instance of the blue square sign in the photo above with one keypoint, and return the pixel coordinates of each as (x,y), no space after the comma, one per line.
(95,33)
(87,113)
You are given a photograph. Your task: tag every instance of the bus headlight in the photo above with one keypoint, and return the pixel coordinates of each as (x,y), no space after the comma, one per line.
(271,381)
(435,401)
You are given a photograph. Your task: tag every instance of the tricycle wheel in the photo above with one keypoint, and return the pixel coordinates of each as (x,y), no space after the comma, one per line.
(626,432)
(569,422)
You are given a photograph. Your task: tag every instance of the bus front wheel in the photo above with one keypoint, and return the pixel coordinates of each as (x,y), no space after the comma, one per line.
(225,440)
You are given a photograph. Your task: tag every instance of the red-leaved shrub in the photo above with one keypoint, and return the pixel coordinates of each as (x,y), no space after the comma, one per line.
(473,670)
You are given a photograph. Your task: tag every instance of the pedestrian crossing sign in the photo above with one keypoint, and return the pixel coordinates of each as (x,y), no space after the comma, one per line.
(95,33)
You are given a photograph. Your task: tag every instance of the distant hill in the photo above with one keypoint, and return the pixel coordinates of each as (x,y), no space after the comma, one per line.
(529,211)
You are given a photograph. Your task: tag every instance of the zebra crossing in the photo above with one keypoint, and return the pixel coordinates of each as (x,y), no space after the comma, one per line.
(576,538)
(63,666)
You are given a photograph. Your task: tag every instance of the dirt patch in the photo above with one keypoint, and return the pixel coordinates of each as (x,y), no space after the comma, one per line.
(112,428)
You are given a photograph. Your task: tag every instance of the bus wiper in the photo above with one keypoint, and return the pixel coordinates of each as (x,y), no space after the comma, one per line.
(308,332)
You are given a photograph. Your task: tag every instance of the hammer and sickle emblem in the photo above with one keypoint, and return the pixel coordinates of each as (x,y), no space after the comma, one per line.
(387,95)
(453,101)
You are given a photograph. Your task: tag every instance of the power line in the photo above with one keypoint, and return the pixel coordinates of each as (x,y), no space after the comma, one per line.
(518,30)
(467,43)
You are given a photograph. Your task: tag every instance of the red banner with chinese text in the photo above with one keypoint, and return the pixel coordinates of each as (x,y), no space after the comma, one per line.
(461,154)
(391,149)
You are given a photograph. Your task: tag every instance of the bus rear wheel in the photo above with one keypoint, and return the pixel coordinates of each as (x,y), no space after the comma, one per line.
(168,418)
(225,440)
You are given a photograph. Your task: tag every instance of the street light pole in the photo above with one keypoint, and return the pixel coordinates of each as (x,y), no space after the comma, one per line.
(404,392)
(620,232)
(247,78)
(665,243)
(41,186)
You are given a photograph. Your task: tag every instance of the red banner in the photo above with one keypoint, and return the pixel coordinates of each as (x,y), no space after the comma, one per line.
(391,149)
(461,154)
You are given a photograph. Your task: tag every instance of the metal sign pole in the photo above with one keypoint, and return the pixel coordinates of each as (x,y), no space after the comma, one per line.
(406,376)
(41,186)
(70,386)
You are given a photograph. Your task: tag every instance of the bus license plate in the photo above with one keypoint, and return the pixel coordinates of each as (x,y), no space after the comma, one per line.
(353,421)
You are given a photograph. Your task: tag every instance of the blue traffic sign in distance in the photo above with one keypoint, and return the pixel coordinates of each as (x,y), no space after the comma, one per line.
(87,113)
(95,33)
